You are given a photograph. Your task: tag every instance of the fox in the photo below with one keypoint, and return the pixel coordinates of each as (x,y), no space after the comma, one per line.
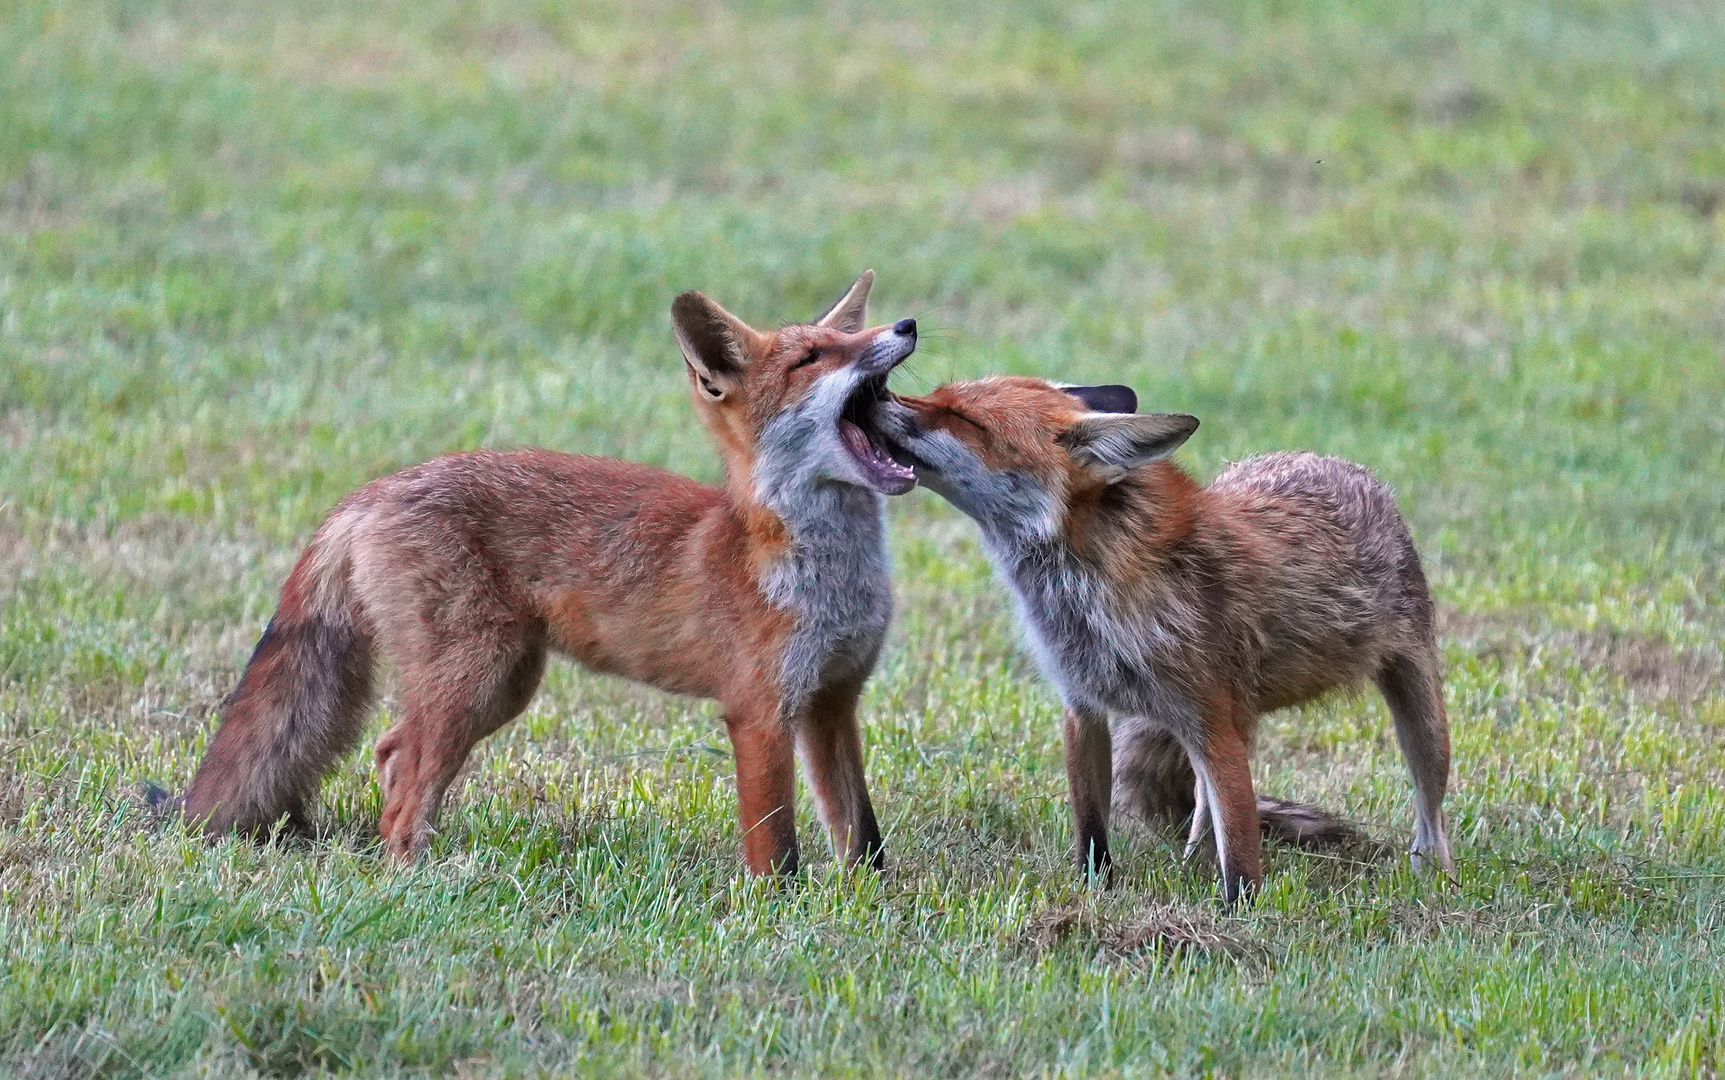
(1185,611)
(770,593)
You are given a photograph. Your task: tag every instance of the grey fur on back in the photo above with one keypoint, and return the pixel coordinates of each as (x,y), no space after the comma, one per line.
(1381,604)
(1385,600)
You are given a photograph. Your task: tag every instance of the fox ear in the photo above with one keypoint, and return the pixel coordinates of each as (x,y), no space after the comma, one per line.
(1114,443)
(1111,398)
(713,343)
(850,313)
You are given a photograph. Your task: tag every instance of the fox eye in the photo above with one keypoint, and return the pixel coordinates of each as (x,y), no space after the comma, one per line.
(955,414)
(810,357)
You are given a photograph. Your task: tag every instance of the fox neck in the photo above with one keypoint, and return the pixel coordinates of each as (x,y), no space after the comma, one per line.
(1103,614)
(830,570)
(1123,659)
(1120,534)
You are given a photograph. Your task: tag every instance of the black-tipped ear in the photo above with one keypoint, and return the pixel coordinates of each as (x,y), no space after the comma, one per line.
(1110,398)
(712,342)
(1114,444)
(850,313)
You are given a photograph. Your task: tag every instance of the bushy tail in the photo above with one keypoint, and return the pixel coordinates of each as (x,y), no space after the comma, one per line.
(1304,825)
(299,705)
(1153,781)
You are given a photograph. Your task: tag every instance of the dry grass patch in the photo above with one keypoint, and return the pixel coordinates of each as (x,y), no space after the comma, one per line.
(1163,929)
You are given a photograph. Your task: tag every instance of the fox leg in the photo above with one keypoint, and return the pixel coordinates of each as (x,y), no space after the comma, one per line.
(1414,693)
(765,756)
(1200,817)
(1090,782)
(448,710)
(1154,781)
(1224,769)
(830,744)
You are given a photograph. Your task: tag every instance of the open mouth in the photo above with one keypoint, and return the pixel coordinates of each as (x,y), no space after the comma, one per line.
(893,438)
(858,432)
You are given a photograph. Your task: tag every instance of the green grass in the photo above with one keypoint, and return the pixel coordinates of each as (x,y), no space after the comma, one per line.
(253,254)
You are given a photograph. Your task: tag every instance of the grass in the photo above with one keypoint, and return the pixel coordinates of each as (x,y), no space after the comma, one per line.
(253,254)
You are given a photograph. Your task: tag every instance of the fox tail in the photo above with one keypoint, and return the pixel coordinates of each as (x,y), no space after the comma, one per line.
(299,705)
(1153,781)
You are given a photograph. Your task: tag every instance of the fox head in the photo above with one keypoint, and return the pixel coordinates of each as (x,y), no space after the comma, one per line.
(1019,454)
(795,406)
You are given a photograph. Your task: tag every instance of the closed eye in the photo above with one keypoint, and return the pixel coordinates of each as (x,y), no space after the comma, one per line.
(950,411)
(810,357)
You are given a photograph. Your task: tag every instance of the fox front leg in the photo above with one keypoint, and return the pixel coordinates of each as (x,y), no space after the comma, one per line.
(1222,763)
(766,789)
(1090,783)
(830,743)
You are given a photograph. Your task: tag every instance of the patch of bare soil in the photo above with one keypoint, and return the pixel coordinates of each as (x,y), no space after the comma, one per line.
(1650,667)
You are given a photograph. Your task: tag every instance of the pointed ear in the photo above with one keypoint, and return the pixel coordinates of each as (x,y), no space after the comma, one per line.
(1112,398)
(1114,444)
(850,313)
(713,343)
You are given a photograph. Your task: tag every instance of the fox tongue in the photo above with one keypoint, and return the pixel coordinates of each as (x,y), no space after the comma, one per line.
(884,473)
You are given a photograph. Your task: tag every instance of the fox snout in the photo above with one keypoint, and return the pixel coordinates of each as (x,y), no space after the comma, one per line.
(889,348)
(858,426)
(930,453)
(896,424)
(934,457)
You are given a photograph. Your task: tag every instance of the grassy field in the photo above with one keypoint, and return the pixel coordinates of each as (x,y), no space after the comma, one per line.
(255,253)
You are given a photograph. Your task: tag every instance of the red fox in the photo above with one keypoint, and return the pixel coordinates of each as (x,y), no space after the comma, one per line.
(1179,608)
(770,593)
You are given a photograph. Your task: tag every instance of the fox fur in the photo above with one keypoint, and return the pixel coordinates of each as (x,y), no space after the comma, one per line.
(1185,611)
(770,593)
(1154,782)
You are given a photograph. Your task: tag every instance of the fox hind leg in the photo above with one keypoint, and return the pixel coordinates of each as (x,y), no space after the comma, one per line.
(1414,692)
(450,705)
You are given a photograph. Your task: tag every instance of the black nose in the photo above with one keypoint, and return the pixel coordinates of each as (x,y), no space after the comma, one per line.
(907,327)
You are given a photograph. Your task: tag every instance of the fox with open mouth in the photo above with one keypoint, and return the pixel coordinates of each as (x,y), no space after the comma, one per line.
(770,593)
(1185,611)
